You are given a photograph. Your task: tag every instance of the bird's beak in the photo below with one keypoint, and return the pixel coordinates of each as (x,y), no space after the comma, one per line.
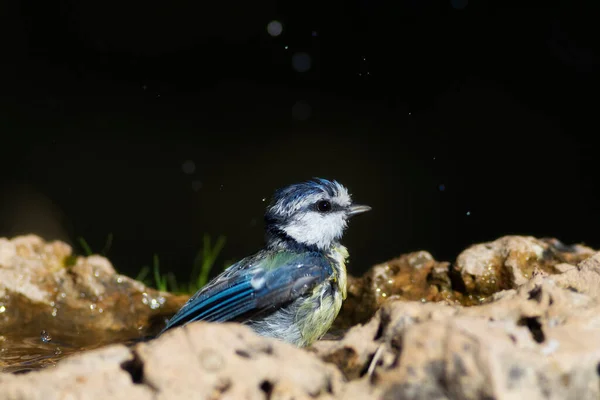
(358,209)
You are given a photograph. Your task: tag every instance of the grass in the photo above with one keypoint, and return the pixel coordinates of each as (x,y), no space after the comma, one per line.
(87,250)
(204,263)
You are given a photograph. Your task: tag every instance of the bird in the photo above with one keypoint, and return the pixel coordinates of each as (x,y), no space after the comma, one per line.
(293,288)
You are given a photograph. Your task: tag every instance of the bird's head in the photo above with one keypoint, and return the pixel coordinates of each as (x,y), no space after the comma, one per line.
(313,213)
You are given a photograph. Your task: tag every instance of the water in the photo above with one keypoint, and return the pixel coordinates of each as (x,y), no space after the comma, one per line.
(45,337)
(27,349)
(35,337)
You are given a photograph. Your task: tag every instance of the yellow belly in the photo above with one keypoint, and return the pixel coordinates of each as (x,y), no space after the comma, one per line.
(317,314)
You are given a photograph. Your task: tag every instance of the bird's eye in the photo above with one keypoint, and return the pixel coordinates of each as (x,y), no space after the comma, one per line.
(323,206)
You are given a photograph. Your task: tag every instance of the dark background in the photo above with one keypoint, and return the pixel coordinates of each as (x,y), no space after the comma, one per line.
(458,121)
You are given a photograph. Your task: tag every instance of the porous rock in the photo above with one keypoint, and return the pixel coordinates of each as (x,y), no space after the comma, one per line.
(199,361)
(44,280)
(533,337)
(479,271)
(72,301)
(511,261)
(538,341)
(413,276)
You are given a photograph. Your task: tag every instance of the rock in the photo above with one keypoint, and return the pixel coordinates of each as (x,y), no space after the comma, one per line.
(533,336)
(479,272)
(79,301)
(537,342)
(201,361)
(413,276)
(511,261)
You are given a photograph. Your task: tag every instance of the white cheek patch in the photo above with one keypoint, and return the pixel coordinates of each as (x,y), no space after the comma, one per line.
(317,229)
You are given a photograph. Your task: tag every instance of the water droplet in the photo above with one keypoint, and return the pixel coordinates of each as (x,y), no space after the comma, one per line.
(63,295)
(188,167)
(45,336)
(264,199)
(54,312)
(196,185)
(2,309)
(285,47)
(120,279)
(301,62)
(468,212)
(274,28)
(92,307)
(154,304)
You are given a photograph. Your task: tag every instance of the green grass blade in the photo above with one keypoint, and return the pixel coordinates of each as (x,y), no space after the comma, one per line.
(107,244)
(172,281)
(143,274)
(85,246)
(205,259)
(160,281)
(204,262)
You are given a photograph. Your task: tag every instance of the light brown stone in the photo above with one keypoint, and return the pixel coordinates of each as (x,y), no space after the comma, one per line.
(199,361)
(537,338)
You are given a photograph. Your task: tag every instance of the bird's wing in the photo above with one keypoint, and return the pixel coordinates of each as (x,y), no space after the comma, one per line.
(254,285)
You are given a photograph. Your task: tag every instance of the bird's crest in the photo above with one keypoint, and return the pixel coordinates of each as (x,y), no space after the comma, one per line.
(289,199)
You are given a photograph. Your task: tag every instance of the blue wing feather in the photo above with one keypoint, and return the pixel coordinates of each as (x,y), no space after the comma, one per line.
(252,286)
(219,308)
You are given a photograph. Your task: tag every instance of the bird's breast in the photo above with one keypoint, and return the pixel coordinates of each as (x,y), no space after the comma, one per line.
(318,311)
(339,257)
